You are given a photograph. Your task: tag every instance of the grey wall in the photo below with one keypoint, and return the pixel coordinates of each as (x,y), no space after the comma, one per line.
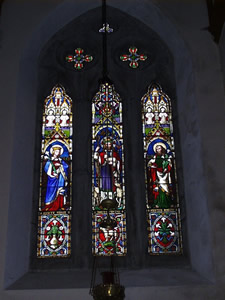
(222,50)
(26,28)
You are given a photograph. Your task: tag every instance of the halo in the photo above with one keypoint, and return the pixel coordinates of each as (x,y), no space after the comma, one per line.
(64,108)
(163,107)
(49,109)
(159,144)
(57,147)
(106,139)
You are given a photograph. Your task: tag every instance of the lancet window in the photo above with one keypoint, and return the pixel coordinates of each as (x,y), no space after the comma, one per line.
(163,212)
(108,188)
(54,216)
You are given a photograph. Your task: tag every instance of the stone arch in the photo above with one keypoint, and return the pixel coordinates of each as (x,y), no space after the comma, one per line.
(190,140)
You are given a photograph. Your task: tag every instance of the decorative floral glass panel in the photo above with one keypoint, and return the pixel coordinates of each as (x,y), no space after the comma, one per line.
(54,221)
(160,172)
(108,172)
(106,241)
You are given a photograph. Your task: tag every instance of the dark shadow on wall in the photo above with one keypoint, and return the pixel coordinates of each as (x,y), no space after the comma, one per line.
(50,69)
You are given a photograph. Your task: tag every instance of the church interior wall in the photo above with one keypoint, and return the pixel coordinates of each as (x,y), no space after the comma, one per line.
(222,50)
(26,28)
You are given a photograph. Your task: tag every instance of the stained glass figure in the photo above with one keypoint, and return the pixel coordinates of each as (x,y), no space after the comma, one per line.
(79,58)
(107,162)
(133,57)
(55,176)
(160,168)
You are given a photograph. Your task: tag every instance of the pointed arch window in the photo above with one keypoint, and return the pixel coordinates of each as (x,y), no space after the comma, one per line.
(162,199)
(108,172)
(54,216)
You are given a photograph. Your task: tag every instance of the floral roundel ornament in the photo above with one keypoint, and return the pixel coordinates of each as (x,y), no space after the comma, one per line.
(55,235)
(164,232)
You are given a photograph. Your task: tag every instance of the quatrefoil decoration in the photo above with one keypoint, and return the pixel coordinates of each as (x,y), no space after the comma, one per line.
(133,57)
(79,58)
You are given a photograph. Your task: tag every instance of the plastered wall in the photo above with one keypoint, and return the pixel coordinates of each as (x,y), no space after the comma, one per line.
(25,28)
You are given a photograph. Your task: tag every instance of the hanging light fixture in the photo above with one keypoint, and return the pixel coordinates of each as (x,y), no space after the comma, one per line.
(109,287)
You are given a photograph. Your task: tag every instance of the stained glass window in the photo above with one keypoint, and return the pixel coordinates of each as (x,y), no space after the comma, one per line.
(54,216)
(108,173)
(163,211)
